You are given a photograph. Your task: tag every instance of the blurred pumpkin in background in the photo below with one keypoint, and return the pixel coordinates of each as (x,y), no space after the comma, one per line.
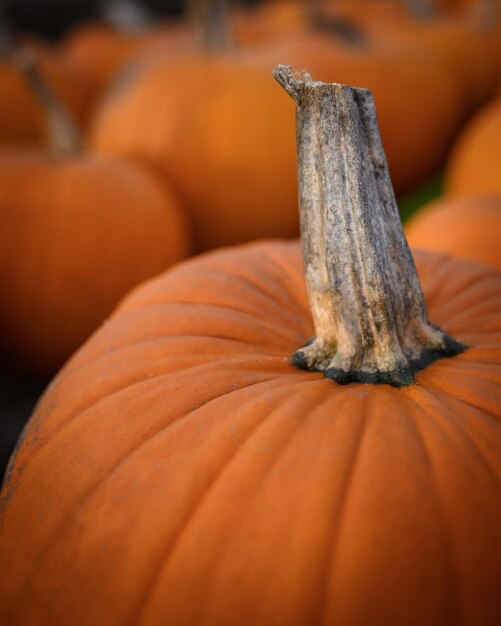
(474,166)
(78,231)
(467,228)
(185,114)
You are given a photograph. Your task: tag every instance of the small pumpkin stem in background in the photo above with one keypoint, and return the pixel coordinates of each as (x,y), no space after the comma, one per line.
(367,305)
(63,137)
(5,40)
(484,15)
(211,19)
(329,23)
(6,35)
(420,9)
(127,16)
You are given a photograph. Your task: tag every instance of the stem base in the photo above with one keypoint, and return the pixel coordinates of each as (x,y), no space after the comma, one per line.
(316,356)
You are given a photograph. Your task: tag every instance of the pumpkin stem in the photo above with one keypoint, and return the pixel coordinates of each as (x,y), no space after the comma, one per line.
(63,137)
(420,9)
(212,22)
(6,34)
(484,15)
(368,308)
(127,16)
(329,23)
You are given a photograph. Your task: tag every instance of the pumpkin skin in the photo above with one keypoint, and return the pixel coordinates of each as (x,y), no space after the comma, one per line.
(475,164)
(77,234)
(468,228)
(185,115)
(179,453)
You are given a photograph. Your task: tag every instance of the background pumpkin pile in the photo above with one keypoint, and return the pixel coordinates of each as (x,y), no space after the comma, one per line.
(127,148)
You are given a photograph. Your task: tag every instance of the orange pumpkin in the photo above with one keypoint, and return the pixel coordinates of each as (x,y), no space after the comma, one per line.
(179,452)
(78,231)
(180,471)
(474,167)
(468,228)
(76,235)
(185,115)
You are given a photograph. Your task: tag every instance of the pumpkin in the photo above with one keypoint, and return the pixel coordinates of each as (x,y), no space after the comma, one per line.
(179,470)
(185,115)
(474,165)
(468,228)
(78,231)
(192,129)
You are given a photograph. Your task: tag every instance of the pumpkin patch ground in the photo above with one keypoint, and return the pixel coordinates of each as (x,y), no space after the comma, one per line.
(282,431)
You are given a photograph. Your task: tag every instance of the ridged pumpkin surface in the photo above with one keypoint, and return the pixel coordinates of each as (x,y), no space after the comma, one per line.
(465,228)
(77,233)
(180,471)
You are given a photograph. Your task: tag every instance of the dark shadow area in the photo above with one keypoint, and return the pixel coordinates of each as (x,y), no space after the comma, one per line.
(52,18)
(18,397)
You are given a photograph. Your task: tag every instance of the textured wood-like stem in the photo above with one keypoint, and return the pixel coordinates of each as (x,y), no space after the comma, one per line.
(211,19)
(63,137)
(368,309)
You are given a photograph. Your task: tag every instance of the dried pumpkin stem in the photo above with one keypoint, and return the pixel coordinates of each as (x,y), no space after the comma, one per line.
(367,305)
(211,19)
(63,137)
